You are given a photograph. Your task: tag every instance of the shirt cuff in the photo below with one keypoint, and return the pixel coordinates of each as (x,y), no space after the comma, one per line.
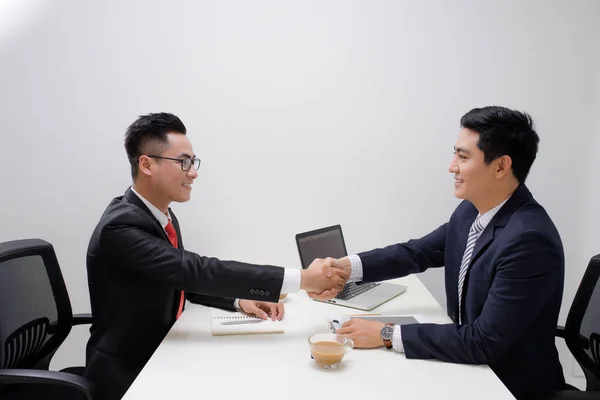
(291,281)
(397,339)
(236,304)
(357,270)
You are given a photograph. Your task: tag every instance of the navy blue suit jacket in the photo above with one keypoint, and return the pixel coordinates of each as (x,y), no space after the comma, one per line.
(512,293)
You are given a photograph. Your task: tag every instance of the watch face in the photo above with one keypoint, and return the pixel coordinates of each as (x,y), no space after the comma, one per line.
(387,332)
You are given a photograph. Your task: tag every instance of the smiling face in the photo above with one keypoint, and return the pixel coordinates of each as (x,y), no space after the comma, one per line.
(167,180)
(174,183)
(473,178)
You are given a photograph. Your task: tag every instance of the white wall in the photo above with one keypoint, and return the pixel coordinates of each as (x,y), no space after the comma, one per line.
(304,114)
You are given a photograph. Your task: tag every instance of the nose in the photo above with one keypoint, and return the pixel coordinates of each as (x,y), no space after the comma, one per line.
(192,173)
(453,169)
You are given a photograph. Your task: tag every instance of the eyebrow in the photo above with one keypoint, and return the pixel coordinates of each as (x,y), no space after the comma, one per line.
(186,155)
(461,150)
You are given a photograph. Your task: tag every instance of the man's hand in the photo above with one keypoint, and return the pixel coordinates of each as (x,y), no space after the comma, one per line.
(342,264)
(262,309)
(320,276)
(366,334)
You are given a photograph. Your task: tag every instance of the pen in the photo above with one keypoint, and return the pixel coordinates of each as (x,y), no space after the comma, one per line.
(245,321)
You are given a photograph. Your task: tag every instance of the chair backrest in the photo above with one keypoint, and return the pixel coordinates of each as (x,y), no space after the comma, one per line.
(582,329)
(35,311)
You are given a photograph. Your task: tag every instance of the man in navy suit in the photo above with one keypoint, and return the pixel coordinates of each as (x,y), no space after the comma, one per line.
(504,264)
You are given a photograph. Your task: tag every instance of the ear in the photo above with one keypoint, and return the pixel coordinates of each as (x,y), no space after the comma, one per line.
(145,165)
(503,166)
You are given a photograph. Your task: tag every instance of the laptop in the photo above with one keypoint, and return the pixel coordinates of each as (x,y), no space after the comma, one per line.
(329,242)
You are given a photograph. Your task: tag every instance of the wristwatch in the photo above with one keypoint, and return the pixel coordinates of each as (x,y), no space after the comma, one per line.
(387,332)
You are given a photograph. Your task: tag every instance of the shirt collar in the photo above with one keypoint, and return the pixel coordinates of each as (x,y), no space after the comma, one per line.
(484,219)
(159,215)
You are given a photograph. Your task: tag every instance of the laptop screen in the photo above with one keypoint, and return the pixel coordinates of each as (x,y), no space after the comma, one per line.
(321,243)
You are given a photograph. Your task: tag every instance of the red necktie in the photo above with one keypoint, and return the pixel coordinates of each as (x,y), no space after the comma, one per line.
(170,229)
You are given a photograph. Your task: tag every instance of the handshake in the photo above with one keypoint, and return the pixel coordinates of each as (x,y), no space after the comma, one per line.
(325,278)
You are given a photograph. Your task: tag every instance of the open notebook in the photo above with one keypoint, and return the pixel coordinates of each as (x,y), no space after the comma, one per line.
(236,323)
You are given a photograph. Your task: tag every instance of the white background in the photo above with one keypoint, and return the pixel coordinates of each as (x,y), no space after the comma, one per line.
(305,114)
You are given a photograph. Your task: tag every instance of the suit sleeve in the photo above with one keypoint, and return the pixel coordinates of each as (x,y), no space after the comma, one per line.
(529,271)
(226,303)
(405,258)
(129,246)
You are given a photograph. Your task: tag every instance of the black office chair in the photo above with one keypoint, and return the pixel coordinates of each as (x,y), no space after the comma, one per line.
(35,319)
(582,333)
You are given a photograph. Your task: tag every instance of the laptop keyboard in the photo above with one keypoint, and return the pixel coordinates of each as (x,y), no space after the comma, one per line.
(352,290)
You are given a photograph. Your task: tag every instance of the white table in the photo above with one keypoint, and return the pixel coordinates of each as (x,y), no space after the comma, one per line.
(192,364)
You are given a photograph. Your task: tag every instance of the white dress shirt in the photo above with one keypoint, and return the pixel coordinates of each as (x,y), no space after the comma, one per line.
(357,271)
(291,276)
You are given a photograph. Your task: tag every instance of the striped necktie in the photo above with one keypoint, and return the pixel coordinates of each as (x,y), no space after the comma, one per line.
(474,234)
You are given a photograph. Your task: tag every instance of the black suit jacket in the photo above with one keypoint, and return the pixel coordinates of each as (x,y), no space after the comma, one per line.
(135,280)
(512,293)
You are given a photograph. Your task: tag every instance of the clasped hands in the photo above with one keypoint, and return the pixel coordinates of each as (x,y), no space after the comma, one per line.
(325,278)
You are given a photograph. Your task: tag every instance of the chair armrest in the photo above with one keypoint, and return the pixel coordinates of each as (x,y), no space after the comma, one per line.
(12,376)
(583,341)
(82,319)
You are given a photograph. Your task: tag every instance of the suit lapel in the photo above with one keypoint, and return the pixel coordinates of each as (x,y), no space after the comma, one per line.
(500,220)
(175,223)
(134,199)
(484,240)
(177,229)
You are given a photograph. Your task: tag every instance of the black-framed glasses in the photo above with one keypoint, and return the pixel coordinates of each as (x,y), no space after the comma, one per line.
(186,163)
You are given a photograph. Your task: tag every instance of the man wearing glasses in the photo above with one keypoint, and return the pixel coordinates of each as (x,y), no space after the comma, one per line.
(139,274)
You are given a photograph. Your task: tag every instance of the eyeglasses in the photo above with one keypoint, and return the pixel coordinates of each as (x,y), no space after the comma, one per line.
(186,163)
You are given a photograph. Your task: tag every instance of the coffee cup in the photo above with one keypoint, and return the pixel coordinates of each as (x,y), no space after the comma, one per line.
(328,349)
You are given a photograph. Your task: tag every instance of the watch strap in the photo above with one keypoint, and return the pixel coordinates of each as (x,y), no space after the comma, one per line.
(388,343)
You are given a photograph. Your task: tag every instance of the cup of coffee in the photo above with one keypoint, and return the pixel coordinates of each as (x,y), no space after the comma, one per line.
(328,349)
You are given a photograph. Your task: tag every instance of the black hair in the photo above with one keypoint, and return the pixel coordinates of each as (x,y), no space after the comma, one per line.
(148,134)
(504,132)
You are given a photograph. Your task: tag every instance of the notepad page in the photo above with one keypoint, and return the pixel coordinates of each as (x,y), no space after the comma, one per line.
(218,316)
